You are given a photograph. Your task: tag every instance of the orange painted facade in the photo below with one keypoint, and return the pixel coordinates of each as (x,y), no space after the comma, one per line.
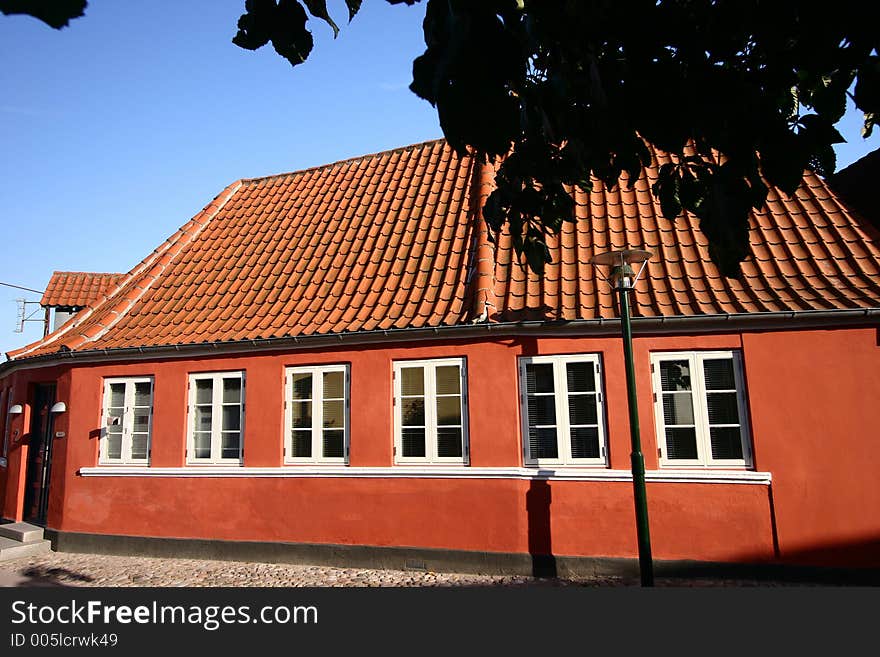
(812,399)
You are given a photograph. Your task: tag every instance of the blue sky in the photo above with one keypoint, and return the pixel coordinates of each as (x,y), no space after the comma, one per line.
(118,129)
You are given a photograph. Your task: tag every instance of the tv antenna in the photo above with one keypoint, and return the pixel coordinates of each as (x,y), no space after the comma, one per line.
(23,315)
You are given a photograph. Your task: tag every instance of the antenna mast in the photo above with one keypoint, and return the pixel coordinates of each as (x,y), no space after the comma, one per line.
(24,317)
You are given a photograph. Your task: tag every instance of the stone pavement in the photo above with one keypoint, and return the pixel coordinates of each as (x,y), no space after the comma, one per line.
(71,569)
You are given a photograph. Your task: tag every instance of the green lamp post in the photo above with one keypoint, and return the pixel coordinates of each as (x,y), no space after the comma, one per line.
(623,280)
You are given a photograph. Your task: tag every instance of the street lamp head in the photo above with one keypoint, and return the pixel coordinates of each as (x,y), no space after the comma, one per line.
(621,261)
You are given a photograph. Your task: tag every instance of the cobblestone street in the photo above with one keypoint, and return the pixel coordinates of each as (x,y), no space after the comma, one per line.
(71,569)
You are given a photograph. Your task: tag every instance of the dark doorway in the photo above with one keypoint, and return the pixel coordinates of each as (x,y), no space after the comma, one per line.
(39,466)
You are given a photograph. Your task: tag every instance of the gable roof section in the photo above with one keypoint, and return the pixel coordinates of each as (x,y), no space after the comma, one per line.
(375,242)
(77,288)
(394,241)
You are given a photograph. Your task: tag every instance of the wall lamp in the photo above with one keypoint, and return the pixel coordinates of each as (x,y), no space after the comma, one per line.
(15,409)
(58,407)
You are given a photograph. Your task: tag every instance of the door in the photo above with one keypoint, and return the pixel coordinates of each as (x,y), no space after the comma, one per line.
(39,466)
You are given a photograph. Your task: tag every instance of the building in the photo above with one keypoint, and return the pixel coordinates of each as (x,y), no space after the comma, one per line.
(855,183)
(337,366)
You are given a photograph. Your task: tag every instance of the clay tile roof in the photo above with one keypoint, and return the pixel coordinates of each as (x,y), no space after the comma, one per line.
(77,288)
(808,252)
(394,241)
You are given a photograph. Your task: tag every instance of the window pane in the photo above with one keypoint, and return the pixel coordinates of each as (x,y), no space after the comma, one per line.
(334,443)
(413,412)
(449,442)
(580,377)
(582,409)
(675,375)
(719,374)
(542,410)
(539,377)
(722,408)
(203,418)
(202,445)
(231,391)
(412,381)
(448,380)
(143,394)
(204,391)
(302,414)
(449,410)
(413,442)
(231,418)
(726,443)
(117,395)
(114,417)
(302,385)
(139,446)
(542,443)
(678,409)
(334,385)
(114,442)
(302,443)
(585,443)
(681,443)
(141,422)
(230,443)
(334,414)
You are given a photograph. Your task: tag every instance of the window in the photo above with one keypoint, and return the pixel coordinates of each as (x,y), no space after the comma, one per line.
(562,410)
(316,404)
(430,411)
(216,412)
(700,410)
(127,421)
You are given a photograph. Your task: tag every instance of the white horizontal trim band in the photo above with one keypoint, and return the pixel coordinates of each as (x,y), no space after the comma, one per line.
(438,472)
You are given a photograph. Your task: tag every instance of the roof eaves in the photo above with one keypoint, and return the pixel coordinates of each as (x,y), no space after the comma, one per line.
(719,323)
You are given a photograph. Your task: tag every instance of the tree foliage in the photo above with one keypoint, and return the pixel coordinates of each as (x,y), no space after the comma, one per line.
(54,13)
(741,93)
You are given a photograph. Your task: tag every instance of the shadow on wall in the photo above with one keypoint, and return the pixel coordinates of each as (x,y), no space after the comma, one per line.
(538,499)
(853,562)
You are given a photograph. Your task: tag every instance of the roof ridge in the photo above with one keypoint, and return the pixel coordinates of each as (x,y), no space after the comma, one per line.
(356,158)
(89,273)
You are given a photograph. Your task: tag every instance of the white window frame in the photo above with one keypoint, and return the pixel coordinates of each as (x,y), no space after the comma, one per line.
(127,421)
(701,413)
(430,366)
(317,399)
(216,418)
(560,395)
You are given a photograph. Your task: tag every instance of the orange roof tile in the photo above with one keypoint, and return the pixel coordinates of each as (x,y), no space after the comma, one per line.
(808,252)
(77,288)
(395,241)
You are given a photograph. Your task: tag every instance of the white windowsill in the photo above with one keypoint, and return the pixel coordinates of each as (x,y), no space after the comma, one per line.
(438,472)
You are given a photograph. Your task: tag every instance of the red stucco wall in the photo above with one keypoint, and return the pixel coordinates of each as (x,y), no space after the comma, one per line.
(813,401)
